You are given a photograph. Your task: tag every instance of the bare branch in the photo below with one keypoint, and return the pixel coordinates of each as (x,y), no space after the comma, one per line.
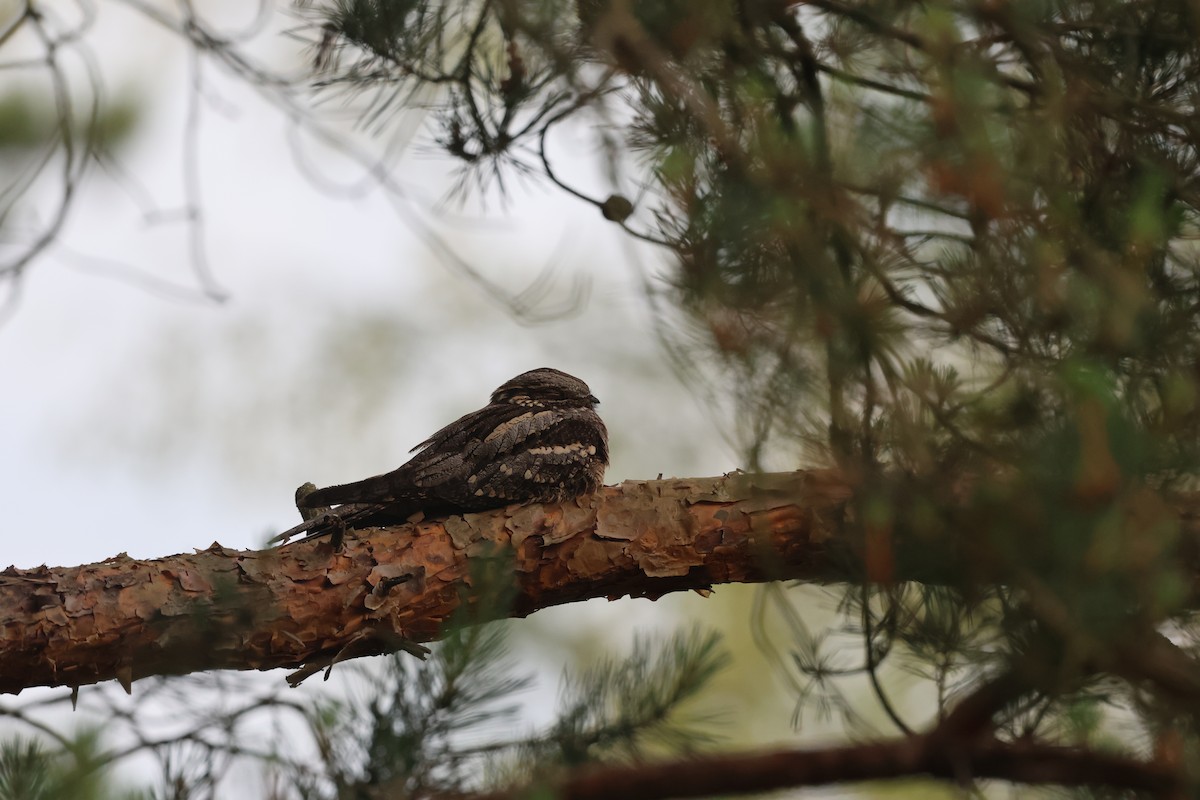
(307,604)
(913,756)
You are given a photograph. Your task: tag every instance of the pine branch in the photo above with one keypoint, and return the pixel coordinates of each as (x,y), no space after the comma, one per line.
(914,756)
(961,748)
(309,605)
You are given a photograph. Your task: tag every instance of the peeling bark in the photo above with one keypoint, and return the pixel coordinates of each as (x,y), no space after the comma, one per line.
(307,604)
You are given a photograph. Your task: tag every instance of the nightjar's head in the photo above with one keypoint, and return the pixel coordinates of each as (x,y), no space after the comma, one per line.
(545,387)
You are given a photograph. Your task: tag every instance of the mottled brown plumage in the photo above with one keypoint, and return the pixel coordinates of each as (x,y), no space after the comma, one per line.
(539,440)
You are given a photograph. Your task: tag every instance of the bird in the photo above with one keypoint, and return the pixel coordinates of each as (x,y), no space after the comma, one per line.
(538,440)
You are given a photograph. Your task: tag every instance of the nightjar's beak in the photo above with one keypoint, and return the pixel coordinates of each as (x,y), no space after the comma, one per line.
(593,399)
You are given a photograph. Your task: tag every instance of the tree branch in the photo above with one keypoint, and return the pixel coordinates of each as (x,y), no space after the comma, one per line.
(307,604)
(310,605)
(910,756)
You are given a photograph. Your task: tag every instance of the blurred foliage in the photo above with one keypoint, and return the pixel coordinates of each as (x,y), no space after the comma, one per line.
(57,122)
(20,125)
(945,247)
(31,771)
(435,728)
(27,121)
(390,727)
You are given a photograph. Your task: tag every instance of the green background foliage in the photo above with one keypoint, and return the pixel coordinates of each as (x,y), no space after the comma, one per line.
(947,248)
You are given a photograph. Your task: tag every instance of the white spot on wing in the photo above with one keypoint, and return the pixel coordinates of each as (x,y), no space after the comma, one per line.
(559,449)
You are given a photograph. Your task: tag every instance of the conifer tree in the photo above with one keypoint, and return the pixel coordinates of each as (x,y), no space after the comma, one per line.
(943,250)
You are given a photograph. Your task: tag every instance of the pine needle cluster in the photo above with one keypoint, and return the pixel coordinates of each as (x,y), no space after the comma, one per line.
(945,247)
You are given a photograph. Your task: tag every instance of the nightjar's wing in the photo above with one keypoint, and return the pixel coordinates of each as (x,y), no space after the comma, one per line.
(538,456)
(441,459)
(498,456)
(502,453)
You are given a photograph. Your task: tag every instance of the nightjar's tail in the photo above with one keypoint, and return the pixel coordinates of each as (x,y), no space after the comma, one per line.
(379,489)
